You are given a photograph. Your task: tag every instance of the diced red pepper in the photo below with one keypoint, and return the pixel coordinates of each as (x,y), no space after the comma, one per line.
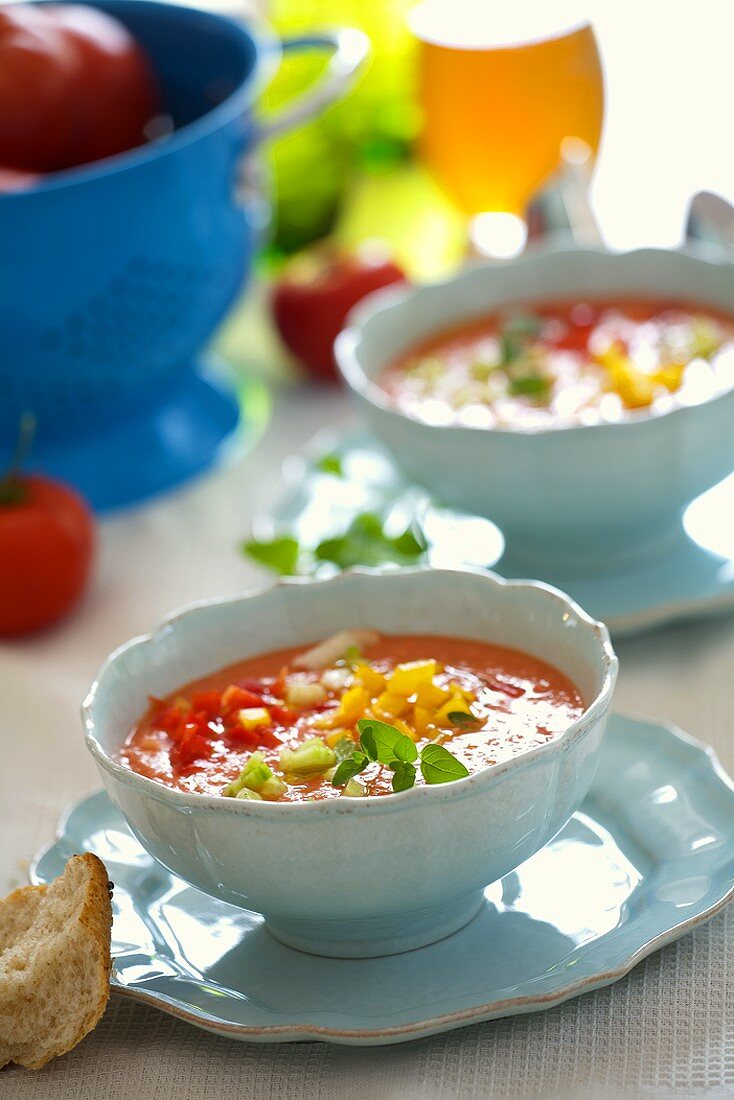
(208,703)
(283,715)
(241,736)
(191,747)
(236,697)
(171,720)
(268,739)
(278,688)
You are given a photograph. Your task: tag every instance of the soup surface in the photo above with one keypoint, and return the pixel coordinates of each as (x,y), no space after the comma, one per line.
(279,726)
(574,363)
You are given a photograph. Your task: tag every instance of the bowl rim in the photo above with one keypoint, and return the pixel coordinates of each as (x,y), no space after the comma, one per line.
(395,297)
(267,51)
(370,804)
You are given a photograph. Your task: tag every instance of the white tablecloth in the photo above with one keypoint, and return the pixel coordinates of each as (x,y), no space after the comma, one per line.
(665,1031)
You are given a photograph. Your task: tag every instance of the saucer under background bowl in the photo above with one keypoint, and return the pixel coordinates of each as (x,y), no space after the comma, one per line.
(648,856)
(692,576)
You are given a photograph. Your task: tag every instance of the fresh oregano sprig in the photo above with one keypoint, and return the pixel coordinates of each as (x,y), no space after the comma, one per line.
(384,744)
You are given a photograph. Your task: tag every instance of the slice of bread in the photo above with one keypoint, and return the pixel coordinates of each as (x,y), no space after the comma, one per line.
(54,963)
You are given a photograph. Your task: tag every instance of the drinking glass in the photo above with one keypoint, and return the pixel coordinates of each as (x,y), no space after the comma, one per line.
(501,87)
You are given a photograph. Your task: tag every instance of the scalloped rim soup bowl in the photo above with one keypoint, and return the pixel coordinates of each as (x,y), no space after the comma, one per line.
(568,498)
(356,877)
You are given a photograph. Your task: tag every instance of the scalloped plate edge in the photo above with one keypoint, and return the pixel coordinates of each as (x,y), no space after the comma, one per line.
(492,1010)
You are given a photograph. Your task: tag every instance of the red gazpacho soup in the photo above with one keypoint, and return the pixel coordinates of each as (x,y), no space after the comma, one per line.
(561,364)
(358,714)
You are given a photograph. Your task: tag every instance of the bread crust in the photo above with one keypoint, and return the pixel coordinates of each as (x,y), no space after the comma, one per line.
(86,936)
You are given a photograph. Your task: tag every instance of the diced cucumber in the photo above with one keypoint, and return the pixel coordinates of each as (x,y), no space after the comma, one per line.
(251,796)
(344,748)
(273,788)
(252,777)
(257,776)
(314,757)
(301,692)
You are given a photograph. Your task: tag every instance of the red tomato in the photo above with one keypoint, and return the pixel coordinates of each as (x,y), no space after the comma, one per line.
(74,87)
(313,297)
(46,545)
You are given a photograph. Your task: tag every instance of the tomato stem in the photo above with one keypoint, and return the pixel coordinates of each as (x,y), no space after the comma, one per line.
(12,488)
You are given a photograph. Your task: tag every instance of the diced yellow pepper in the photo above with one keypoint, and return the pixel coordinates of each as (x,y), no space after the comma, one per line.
(431,696)
(422,720)
(252,718)
(404,728)
(335,737)
(669,375)
(351,708)
(408,678)
(372,680)
(455,705)
(394,705)
(636,388)
(466,695)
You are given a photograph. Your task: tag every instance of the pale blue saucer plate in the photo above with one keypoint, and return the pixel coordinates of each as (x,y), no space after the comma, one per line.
(649,855)
(693,578)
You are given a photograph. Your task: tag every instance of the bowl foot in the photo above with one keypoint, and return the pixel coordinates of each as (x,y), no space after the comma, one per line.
(200,423)
(370,937)
(557,564)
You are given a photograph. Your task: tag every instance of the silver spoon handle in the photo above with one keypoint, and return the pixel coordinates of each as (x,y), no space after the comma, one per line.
(710,221)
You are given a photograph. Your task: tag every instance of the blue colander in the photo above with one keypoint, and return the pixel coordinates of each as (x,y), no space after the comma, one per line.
(114,276)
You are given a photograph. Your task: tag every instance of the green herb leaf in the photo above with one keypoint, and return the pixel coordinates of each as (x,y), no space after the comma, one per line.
(348,769)
(403,776)
(280,554)
(382,742)
(412,543)
(365,543)
(405,750)
(529,385)
(516,333)
(438,765)
(459,718)
(510,349)
(330,464)
(368,743)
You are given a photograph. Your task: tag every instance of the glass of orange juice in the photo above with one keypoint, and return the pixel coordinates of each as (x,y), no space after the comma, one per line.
(501,85)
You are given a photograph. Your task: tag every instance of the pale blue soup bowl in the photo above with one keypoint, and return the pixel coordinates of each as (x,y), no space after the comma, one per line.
(568,499)
(370,876)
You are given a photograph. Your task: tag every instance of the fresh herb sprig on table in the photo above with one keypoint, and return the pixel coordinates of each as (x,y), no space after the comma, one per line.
(384,744)
(364,542)
(330,464)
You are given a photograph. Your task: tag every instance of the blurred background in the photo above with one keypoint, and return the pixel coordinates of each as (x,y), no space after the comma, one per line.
(364,169)
(208,268)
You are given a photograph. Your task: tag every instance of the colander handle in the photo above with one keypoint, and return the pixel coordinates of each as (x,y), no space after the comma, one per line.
(350,51)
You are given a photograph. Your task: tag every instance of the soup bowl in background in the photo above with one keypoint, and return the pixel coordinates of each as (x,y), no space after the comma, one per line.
(376,875)
(569,499)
